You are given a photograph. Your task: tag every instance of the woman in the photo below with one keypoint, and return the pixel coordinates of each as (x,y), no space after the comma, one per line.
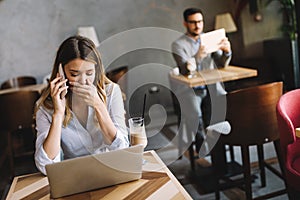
(82,114)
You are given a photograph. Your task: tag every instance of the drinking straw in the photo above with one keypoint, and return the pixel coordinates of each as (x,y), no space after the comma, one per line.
(144,105)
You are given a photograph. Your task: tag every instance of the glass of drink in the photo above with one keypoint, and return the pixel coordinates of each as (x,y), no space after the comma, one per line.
(137,131)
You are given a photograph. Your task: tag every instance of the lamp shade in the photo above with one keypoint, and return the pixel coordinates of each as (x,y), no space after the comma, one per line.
(89,32)
(225,21)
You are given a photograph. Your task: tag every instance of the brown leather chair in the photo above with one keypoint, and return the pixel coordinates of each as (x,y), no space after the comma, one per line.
(251,113)
(116,75)
(18,82)
(17,123)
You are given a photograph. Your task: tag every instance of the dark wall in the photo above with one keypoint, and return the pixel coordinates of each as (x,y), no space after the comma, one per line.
(297,5)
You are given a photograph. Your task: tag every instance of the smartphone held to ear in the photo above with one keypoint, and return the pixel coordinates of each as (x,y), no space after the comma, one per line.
(62,74)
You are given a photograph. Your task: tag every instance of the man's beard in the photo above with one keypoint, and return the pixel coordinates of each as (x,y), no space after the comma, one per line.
(193,33)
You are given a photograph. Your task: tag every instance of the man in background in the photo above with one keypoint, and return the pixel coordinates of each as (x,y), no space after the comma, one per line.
(190,54)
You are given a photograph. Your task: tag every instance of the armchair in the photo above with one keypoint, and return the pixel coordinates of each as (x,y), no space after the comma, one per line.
(288,117)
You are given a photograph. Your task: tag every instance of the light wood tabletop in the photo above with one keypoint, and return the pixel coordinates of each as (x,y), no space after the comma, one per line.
(157,182)
(207,77)
(36,87)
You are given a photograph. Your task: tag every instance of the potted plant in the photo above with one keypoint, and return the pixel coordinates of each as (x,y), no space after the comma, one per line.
(289,28)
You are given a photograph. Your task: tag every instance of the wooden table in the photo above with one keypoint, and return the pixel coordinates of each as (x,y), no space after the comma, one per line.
(36,87)
(207,77)
(157,182)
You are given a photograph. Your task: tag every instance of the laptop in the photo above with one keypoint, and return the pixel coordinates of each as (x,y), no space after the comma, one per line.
(91,172)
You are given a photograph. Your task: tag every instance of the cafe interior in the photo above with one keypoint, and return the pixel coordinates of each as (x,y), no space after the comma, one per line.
(259,157)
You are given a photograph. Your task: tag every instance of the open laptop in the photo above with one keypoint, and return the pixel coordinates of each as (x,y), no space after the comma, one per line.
(95,171)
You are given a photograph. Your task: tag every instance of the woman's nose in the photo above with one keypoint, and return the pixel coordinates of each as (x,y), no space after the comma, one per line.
(82,80)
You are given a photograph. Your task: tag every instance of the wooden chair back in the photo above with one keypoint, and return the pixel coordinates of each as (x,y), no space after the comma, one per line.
(18,82)
(16,109)
(16,120)
(17,124)
(251,113)
(116,75)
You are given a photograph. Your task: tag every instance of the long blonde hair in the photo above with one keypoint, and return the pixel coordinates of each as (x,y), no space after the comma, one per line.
(72,48)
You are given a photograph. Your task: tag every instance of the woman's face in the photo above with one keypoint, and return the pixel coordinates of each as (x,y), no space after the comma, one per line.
(80,71)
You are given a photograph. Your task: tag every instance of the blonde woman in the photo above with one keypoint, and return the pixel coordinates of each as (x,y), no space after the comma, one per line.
(82,113)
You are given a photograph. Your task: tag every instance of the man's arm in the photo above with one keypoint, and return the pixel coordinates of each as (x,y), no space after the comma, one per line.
(221,58)
(180,57)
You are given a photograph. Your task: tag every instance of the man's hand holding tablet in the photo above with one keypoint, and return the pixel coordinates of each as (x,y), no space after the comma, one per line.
(212,40)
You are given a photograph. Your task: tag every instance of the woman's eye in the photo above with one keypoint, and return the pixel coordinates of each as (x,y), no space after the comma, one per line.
(74,75)
(89,73)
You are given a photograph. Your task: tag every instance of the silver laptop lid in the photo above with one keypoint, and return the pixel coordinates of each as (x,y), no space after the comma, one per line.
(95,171)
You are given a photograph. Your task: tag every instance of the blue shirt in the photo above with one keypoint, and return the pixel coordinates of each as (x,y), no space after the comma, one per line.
(185,48)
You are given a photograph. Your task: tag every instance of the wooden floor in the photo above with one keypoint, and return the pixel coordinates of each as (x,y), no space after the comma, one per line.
(198,185)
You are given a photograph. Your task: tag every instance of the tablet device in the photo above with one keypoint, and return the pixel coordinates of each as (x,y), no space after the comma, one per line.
(212,39)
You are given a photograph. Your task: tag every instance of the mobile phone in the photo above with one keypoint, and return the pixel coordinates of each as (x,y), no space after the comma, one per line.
(62,74)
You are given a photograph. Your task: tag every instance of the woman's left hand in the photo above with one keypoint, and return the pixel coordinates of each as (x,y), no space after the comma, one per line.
(88,93)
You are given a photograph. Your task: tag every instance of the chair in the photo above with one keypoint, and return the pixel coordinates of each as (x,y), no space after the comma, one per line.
(16,121)
(116,75)
(4,162)
(18,82)
(251,113)
(288,117)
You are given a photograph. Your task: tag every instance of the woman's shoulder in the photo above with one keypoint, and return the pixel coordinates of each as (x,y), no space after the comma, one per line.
(112,90)
(110,87)
(43,112)
(43,109)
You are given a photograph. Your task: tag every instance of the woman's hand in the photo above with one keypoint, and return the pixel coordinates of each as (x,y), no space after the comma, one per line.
(88,93)
(57,86)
